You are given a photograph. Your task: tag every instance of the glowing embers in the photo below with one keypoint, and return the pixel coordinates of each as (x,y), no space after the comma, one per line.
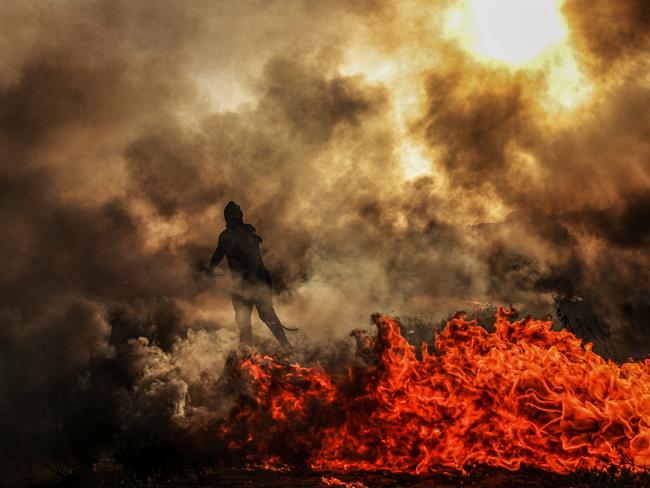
(522,395)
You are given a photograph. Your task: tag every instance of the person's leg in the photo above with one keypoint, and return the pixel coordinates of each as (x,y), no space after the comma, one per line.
(243,310)
(264,305)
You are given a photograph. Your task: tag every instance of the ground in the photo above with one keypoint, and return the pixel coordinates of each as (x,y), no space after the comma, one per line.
(241,478)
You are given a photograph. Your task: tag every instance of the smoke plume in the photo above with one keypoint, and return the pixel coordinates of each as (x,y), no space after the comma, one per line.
(125,127)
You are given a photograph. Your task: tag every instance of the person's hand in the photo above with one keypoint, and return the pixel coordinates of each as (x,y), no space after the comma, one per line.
(205,270)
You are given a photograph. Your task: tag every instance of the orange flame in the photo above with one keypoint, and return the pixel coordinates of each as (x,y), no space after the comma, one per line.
(523,395)
(331,481)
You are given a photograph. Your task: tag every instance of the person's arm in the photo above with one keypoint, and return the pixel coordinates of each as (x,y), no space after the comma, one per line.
(259,237)
(217,256)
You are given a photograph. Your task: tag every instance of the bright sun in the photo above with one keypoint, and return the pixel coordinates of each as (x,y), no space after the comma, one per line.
(512,32)
(522,34)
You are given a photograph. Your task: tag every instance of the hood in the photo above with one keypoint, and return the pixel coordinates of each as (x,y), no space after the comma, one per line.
(233,214)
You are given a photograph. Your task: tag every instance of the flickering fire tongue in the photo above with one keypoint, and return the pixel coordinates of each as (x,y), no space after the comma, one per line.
(523,395)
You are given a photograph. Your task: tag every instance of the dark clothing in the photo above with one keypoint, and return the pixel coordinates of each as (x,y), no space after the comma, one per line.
(259,297)
(240,244)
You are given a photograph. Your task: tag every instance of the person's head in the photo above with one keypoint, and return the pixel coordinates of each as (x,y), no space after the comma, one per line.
(233,214)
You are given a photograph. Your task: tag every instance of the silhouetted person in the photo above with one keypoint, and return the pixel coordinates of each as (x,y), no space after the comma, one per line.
(240,244)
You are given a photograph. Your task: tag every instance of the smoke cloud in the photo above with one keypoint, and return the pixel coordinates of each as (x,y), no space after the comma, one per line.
(125,128)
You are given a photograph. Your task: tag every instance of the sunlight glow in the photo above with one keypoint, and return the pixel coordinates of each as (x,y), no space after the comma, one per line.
(513,32)
(402,76)
(523,35)
(567,86)
(414,161)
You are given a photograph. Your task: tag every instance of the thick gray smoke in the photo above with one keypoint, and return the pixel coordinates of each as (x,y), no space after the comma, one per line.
(126,126)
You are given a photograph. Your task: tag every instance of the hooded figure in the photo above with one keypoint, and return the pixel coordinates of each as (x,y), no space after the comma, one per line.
(240,244)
